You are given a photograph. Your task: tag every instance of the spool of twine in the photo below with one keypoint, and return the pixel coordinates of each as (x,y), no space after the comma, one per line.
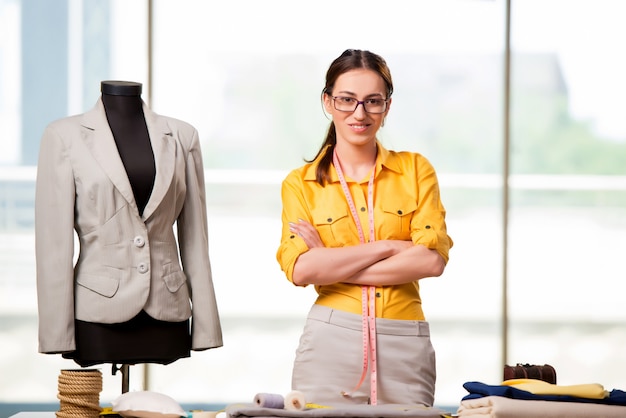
(79,393)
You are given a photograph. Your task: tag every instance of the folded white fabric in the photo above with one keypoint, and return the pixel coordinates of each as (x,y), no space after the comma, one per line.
(502,407)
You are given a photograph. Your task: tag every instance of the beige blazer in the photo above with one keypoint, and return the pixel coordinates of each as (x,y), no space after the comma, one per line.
(126,262)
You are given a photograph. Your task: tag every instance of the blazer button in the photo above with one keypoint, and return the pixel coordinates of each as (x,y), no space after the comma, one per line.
(142,267)
(139,241)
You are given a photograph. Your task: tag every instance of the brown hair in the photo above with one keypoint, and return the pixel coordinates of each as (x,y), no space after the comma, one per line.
(350,59)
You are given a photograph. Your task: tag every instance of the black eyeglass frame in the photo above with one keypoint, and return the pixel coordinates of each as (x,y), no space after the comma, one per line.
(359,102)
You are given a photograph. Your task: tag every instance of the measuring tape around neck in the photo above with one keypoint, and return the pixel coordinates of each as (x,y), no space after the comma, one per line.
(368,293)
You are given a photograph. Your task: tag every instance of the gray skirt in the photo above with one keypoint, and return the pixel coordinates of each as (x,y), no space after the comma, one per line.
(329,360)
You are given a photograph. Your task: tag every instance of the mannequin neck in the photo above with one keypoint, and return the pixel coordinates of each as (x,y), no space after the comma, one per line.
(122,99)
(122,106)
(120,88)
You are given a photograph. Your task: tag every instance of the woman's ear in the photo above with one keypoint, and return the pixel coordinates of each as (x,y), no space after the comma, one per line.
(388,106)
(328,106)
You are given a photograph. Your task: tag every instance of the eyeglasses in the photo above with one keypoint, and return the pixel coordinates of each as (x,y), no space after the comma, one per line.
(349,104)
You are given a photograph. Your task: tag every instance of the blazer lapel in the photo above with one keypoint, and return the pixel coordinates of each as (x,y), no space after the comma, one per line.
(164,149)
(99,140)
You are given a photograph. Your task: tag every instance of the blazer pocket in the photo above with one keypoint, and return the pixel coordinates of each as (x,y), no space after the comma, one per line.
(103,285)
(174,281)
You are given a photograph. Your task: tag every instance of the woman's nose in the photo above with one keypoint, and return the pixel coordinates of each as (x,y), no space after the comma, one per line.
(360,112)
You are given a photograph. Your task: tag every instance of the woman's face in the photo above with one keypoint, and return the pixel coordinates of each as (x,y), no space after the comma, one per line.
(357,127)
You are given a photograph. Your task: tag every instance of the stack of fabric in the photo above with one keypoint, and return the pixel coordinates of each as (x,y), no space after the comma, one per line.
(340,411)
(530,398)
(294,405)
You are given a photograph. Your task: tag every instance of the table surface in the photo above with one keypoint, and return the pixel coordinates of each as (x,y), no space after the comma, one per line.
(34,415)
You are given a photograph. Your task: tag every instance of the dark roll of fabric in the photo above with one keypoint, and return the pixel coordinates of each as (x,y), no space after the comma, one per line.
(544,372)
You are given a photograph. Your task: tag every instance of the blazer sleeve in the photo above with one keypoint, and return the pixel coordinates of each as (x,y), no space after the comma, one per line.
(194,250)
(54,244)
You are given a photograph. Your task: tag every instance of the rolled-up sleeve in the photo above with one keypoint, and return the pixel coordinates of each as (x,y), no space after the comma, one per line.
(294,208)
(428,226)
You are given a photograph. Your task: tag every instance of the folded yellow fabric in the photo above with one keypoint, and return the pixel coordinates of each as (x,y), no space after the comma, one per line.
(539,387)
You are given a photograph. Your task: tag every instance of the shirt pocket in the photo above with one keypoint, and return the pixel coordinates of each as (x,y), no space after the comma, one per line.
(397,214)
(335,226)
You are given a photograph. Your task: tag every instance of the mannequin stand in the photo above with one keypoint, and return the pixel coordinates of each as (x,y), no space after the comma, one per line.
(125,369)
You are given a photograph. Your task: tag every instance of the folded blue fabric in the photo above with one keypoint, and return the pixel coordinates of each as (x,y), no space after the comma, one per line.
(479,390)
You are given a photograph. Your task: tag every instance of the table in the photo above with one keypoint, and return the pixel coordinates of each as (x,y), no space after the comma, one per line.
(34,415)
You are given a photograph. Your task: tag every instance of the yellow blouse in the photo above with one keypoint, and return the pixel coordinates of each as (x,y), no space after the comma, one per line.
(407,206)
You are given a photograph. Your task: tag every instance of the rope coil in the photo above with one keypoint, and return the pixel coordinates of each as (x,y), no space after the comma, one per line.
(79,393)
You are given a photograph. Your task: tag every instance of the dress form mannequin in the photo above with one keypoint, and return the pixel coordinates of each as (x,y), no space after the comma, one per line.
(142,339)
(127,185)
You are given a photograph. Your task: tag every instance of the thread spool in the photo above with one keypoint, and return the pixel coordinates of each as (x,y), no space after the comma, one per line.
(294,401)
(269,400)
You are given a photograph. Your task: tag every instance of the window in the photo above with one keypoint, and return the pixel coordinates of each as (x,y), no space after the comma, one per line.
(250,81)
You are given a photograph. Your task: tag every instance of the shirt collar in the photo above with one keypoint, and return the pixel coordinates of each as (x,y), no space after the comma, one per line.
(384,160)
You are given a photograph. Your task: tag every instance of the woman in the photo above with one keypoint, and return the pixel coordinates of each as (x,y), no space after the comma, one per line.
(363,225)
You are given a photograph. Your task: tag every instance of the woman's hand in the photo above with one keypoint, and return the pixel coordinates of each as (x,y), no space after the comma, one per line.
(307,232)
(311,237)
